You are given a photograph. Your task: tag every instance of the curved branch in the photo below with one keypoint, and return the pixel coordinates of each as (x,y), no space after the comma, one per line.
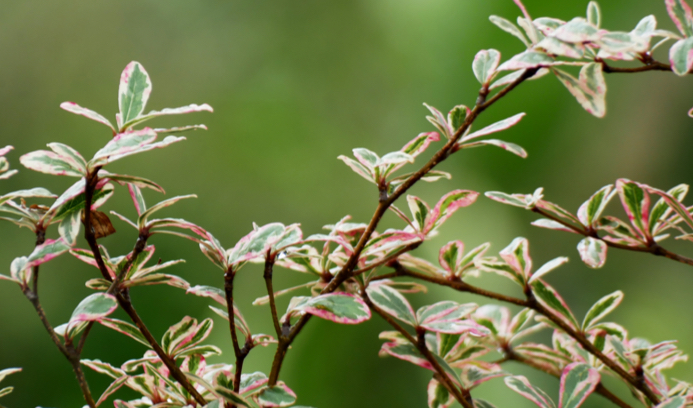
(533,304)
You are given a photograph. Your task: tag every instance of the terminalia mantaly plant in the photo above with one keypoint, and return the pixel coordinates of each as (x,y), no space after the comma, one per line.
(355,271)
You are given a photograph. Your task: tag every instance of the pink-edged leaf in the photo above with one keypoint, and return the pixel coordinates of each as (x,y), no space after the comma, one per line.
(5,150)
(510,28)
(662,210)
(78,110)
(557,47)
(548,267)
(408,352)
(557,210)
(125,328)
(251,382)
(420,143)
(366,157)
(590,211)
(142,220)
(543,355)
(456,327)
(103,368)
(185,334)
(550,299)
(527,201)
(278,396)
(137,198)
(133,92)
(419,211)
(70,155)
(450,256)
(115,386)
(69,227)
(123,144)
(636,203)
(392,303)
(444,310)
(358,168)
(673,203)
(577,383)
(158,279)
(440,122)
(438,395)
(674,402)
(178,129)
(551,224)
(680,13)
(593,252)
(511,147)
(92,308)
(447,205)
(47,251)
(474,373)
(168,111)
(496,127)
(47,162)
(339,307)
(601,308)
(123,179)
(485,64)
(522,386)
(517,256)
(589,90)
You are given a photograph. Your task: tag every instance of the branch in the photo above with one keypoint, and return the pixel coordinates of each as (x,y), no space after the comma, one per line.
(534,305)
(421,346)
(384,203)
(240,353)
(510,355)
(72,355)
(654,248)
(123,296)
(269,266)
(650,65)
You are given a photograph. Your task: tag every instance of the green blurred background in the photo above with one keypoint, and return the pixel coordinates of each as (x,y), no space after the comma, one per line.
(294,85)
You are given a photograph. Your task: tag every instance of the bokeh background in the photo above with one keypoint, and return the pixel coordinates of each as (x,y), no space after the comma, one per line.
(294,85)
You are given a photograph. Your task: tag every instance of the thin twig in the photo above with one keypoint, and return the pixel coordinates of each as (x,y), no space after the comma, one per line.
(239,353)
(421,346)
(654,248)
(384,203)
(123,296)
(510,355)
(269,267)
(533,304)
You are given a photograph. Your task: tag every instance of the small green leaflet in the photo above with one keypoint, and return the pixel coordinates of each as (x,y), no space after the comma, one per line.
(600,309)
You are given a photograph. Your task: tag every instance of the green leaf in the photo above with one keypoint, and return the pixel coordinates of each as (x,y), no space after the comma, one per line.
(392,303)
(603,307)
(133,92)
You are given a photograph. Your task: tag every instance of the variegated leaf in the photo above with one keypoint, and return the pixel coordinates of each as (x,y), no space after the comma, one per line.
(133,92)
(591,210)
(522,386)
(577,383)
(592,252)
(485,64)
(583,90)
(45,252)
(593,14)
(438,395)
(47,162)
(392,302)
(447,205)
(550,299)
(343,308)
(510,147)
(168,111)
(680,13)
(674,402)
(92,308)
(517,256)
(496,127)
(527,60)
(548,267)
(69,227)
(510,28)
(601,308)
(636,203)
(88,113)
(577,30)
(125,328)
(278,396)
